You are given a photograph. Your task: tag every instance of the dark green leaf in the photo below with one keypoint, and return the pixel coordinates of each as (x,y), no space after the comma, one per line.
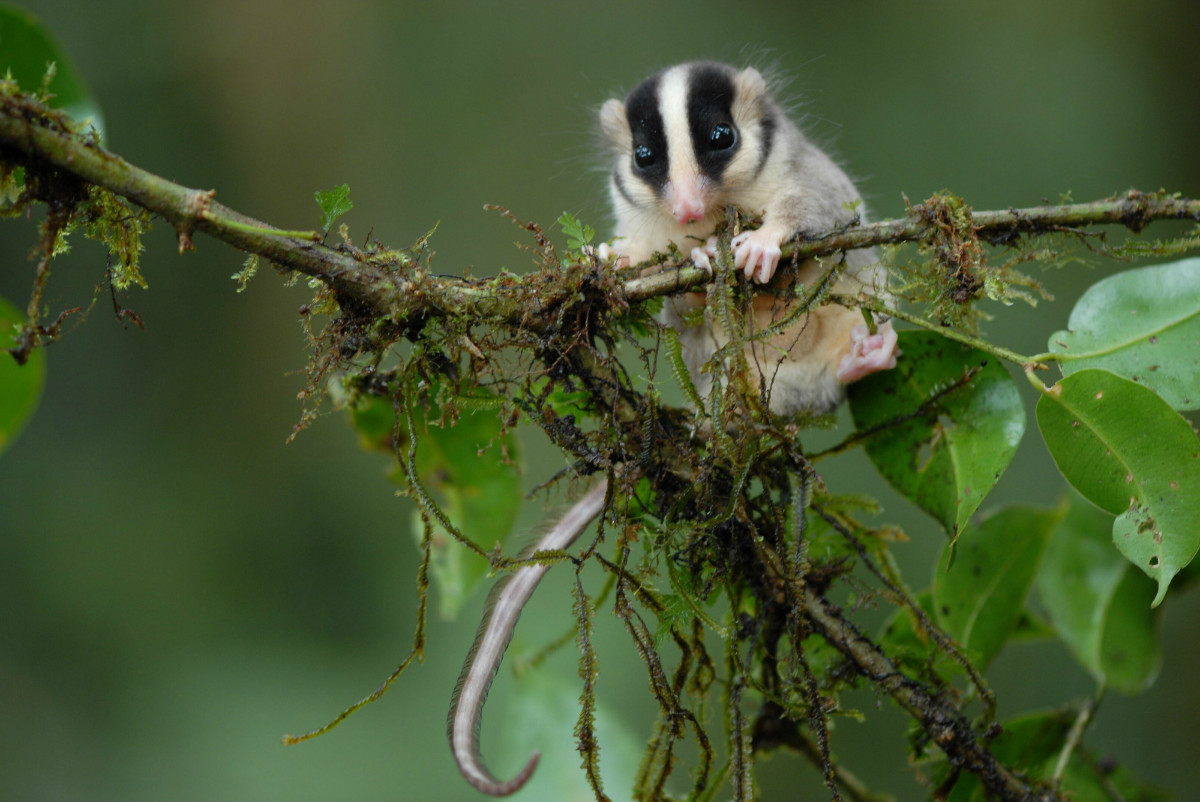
(949,456)
(1143,325)
(903,636)
(1030,739)
(20,385)
(1086,780)
(1032,627)
(26,48)
(1129,453)
(334,203)
(1098,603)
(1131,788)
(1030,744)
(979,599)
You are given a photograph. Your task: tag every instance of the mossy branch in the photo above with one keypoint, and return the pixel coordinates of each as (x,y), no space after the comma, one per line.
(30,133)
(1133,210)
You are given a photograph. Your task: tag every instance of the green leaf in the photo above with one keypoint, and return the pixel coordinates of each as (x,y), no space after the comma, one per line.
(1129,453)
(1143,325)
(903,637)
(20,385)
(579,236)
(1031,745)
(950,456)
(541,714)
(561,401)
(1032,738)
(1088,781)
(1098,603)
(980,598)
(1031,627)
(465,468)
(334,203)
(26,50)
(683,606)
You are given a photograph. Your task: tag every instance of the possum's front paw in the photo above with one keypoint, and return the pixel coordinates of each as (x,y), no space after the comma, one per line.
(869,353)
(757,253)
(702,256)
(606,252)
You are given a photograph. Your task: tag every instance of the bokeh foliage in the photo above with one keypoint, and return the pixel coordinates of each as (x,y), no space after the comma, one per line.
(209,579)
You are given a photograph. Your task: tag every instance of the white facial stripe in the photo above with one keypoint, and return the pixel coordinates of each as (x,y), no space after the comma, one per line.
(672,103)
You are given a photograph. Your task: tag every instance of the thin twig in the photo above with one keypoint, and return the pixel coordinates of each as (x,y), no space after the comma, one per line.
(944,725)
(1076,734)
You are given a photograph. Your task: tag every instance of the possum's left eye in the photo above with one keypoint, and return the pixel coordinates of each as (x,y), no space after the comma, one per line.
(722,137)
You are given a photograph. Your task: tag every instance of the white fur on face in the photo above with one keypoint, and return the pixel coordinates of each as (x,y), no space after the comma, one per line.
(648,218)
(673,105)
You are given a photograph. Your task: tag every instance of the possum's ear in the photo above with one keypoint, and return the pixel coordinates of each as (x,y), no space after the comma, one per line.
(751,91)
(615,125)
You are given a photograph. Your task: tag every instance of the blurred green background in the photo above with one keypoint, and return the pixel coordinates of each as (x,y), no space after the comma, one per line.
(179,587)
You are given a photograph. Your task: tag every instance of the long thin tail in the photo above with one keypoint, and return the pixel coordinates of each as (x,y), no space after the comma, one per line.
(507,600)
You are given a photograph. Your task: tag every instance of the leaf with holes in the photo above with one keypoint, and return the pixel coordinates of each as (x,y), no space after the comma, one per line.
(1143,325)
(980,598)
(949,421)
(1124,448)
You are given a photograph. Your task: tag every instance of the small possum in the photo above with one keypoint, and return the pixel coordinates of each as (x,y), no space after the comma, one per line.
(689,142)
(700,137)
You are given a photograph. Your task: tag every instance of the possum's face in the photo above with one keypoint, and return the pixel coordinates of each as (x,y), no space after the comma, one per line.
(687,140)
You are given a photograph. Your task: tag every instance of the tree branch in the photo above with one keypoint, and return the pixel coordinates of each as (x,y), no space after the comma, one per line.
(32,133)
(1134,210)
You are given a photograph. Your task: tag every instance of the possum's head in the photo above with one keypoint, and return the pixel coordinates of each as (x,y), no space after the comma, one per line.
(688,137)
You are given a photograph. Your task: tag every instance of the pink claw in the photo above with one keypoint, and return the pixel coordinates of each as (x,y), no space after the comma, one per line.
(757,253)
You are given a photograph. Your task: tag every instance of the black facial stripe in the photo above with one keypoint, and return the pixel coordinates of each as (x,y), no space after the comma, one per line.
(622,190)
(646,125)
(710,103)
(767,134)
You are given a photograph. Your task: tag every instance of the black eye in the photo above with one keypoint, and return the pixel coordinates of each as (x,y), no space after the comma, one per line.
(723,137)
(643,156)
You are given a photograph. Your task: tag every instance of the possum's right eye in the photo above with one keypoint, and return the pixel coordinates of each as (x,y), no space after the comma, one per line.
(643,156)
(723,137)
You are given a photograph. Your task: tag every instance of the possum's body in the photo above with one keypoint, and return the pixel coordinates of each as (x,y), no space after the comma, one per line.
(700,137)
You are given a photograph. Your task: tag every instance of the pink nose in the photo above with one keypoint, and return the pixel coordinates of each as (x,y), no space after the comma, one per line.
(688,211)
